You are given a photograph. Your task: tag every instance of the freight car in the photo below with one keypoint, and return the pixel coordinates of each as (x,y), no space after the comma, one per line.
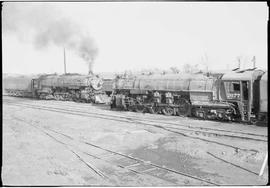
(76,87)
(232,96)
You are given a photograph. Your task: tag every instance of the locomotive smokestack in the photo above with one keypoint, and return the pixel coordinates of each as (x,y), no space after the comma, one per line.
(90,66)
(65,68)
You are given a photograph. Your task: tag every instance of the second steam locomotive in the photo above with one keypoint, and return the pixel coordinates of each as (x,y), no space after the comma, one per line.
(76,87)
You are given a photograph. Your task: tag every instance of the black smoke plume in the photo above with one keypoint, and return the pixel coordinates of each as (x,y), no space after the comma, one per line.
(43,25)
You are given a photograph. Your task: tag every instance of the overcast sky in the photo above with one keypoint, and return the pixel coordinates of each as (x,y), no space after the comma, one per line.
(136,35)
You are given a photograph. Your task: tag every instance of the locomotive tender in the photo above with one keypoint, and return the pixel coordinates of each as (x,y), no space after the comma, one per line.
(236,96)
(18,86)
(52,86)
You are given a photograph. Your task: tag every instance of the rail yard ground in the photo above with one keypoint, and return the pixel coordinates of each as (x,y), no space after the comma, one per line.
(68,143)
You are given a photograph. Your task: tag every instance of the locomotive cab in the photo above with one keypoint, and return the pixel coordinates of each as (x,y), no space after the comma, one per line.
(241,89)
(263,102)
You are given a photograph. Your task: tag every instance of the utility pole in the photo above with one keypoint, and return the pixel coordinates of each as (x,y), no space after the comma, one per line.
(65,68)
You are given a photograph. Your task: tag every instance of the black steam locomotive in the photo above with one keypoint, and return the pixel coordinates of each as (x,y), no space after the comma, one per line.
(236,96)
(76,87)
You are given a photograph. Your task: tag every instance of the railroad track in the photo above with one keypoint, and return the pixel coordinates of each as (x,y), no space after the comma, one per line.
(87,114)
(169,126)
(111,117)
(65,140)
(81,106)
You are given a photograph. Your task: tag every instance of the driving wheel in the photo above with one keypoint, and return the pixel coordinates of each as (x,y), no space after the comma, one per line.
(184,107)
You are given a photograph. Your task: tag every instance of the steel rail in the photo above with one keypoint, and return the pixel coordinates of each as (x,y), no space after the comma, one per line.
(126,156)
(130,117)
(100,173)
(128,121)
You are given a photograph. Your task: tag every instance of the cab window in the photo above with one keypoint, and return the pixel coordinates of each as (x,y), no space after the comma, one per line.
(232,90)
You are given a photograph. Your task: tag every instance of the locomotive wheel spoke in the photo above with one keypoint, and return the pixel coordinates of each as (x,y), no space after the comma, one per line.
(168,111)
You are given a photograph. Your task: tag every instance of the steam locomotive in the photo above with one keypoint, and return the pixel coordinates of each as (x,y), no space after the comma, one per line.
(234,96)
(76,87)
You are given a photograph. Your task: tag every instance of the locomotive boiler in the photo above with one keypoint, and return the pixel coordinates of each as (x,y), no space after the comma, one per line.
(232,96)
